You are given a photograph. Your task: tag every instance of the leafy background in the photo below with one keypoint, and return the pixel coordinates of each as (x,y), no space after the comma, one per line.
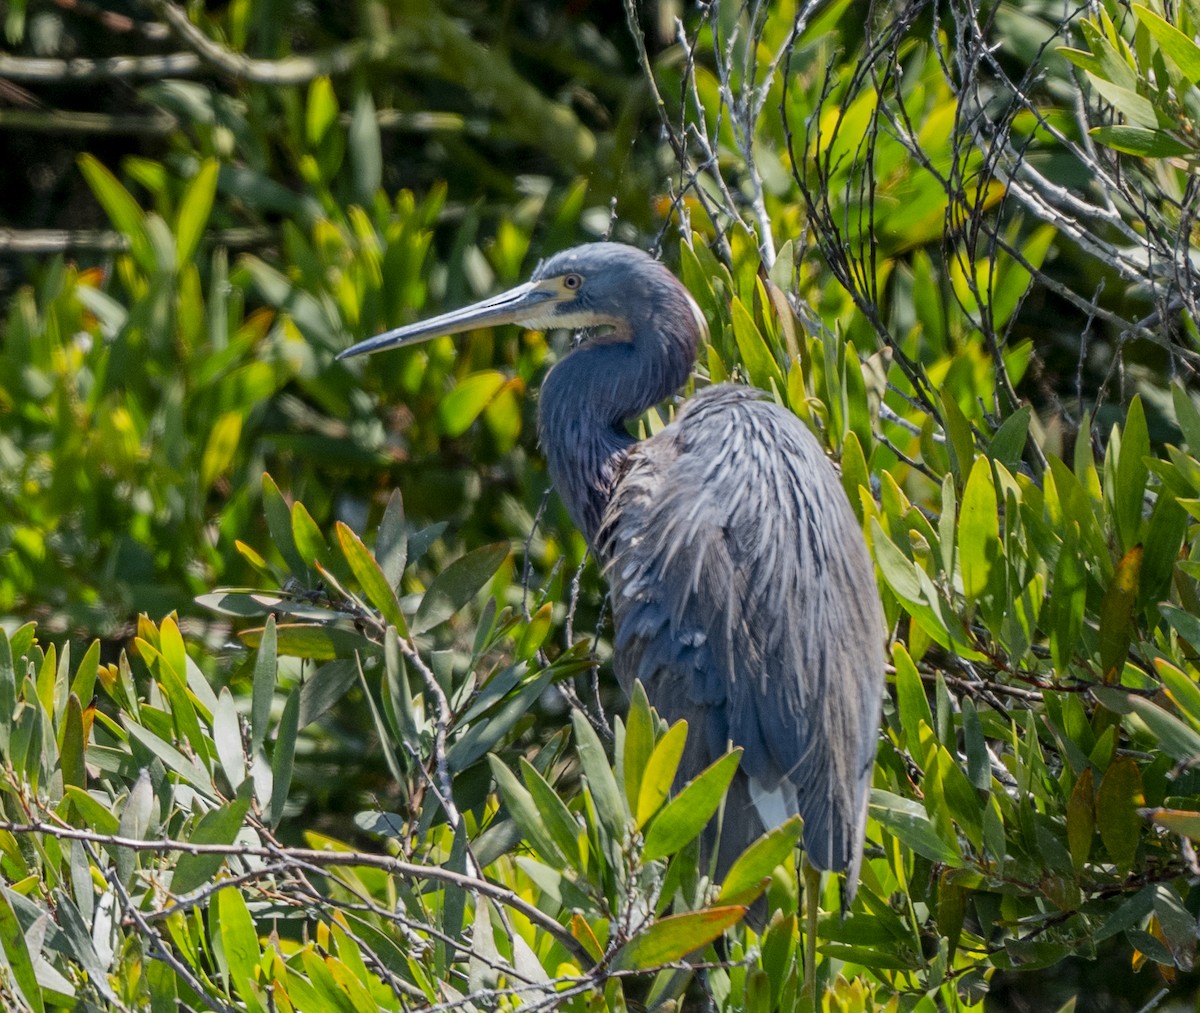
(303,696)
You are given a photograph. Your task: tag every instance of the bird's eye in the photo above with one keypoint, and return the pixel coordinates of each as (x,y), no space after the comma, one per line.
(572,281)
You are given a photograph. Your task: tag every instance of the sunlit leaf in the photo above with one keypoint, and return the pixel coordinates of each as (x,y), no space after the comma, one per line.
(659,773)
(670,939)
(378,589)
(680,821)
(748,876)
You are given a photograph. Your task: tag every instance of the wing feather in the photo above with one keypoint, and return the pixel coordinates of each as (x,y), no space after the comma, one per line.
(745,601)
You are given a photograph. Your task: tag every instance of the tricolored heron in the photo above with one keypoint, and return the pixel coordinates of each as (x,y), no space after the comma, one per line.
(743,595)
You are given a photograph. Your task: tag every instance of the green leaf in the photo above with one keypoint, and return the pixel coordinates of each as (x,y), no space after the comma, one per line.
(266,671)
(594,762)
(1117,802)
(1132,473)
(1081,819)
(1176,739)
(527,814)
(227,738)
(682,819)
(855,476)
(979,770)
(366,154)
(83,685)
(391,540)
(1182,690)
(1188,417)
(659,774)
(1141,141)
(639,742)
(752,347)
(123,211)
(279,522)
(371,578)
(194,211)
(556,816)
(907,822)
(321,111)
(928,607)
(94,815)
(220,448)
(193,773)
(136,816)
(239,939)
(283,757)
(8,691)
(71,747)
(1068,600)
(482,736)
(1008,443)
(311,640)
(671,939)
(959,440)
(16,953)
(911,702)
(1134,106)
(751,871)
(535,632)
(218,826)
(394,762)
(464,404)
(1179,48)
(310,543)
(979,548)
(458,584)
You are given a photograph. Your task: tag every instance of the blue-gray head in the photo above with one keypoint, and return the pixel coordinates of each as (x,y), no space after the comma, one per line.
(592,286)
(641,328)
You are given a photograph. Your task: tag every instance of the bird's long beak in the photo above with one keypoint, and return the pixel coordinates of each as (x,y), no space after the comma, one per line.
(522,304)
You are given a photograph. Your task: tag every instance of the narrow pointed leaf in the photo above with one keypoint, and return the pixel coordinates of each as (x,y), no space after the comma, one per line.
(671,939)
(266,669)
(391,541)
(194,211)
(284,755)
(218,826)
(750,873)
(660,772)
(16,953)
(682,819)
(279,521)
(599,774)
(458,584)
(378,589)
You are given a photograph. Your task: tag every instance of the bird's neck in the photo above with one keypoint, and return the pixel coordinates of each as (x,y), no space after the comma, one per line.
(590,395)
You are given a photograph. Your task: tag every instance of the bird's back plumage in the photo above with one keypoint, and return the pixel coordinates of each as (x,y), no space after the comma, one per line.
(744,599)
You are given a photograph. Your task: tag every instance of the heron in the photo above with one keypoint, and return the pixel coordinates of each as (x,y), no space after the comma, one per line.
(743,594)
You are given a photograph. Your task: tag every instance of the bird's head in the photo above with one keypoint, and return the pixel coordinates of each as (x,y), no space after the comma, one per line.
(599,285)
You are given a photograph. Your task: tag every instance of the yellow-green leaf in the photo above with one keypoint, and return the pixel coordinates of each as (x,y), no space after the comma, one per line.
(220,448)
(660,772)
(751,871)
(681,820)
(978,530)
(673,938)
(194,211)
(371,579)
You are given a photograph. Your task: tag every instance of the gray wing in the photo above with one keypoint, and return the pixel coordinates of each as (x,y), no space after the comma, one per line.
(745,601)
